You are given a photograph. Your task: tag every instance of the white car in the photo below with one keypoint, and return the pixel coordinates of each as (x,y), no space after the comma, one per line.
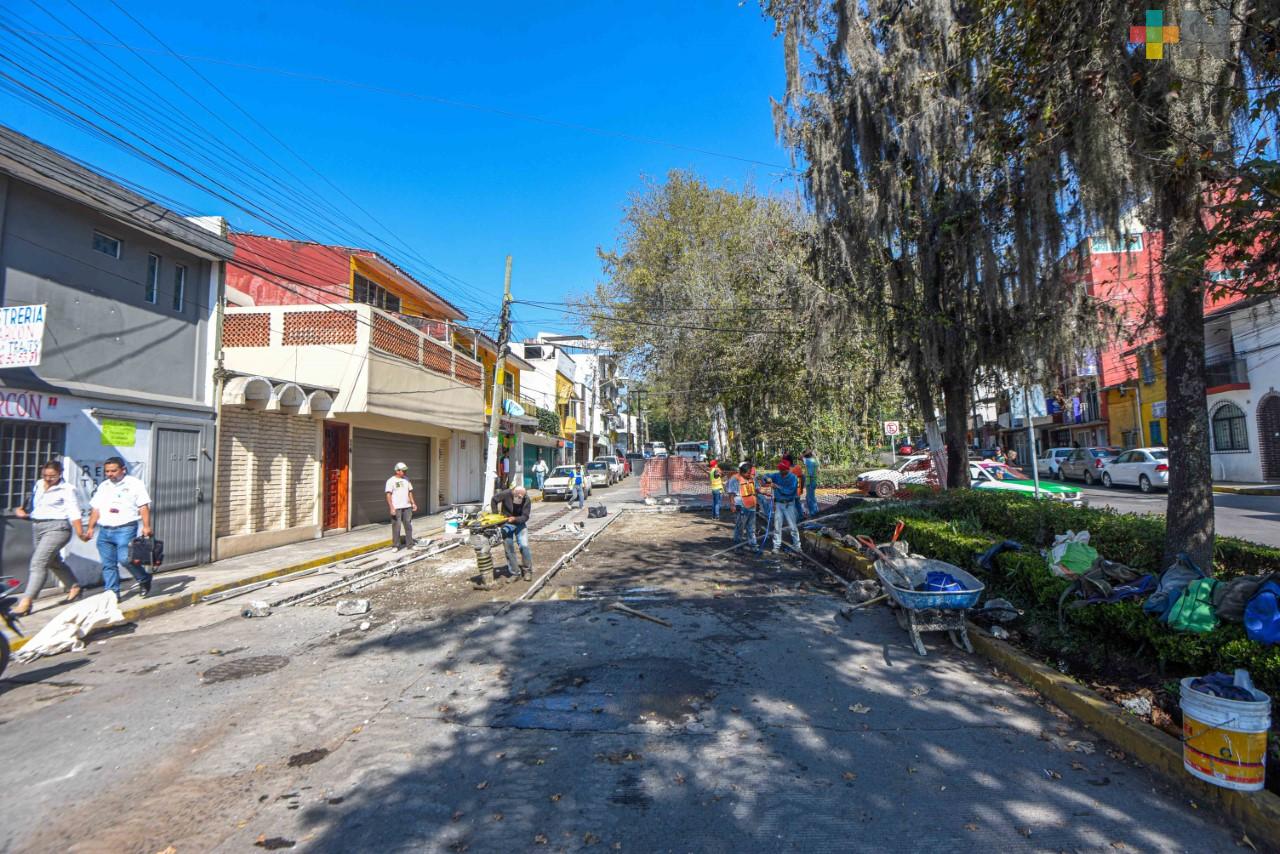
(916,468)
(616,465)
(1050,462)
(560,484)
(1145,468)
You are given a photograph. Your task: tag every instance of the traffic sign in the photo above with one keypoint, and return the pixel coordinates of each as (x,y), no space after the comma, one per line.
(892,428)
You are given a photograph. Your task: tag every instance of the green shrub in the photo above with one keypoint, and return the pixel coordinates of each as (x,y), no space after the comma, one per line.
(958,526)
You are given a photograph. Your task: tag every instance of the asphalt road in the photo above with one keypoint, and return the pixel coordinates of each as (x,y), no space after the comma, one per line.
(755,719)
(1250,517)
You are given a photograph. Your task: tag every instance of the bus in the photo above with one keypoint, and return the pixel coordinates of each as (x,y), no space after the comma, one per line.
(692,451)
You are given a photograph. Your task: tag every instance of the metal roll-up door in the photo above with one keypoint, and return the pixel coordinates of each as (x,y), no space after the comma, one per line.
(374,455)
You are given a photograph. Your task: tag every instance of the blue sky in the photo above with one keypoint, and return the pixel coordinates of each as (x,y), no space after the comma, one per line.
(461,187)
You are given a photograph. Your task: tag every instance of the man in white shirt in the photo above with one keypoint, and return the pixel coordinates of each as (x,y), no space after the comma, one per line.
(402,506)
(118,505)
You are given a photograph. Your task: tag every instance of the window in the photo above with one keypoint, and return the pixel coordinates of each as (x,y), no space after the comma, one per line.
(24,447)
(1131,243)
(1129,438)
(106,244)
(179,286)
(368,292)
(153,278)
(1157,435)
(1126,457)
(1225,275)
(1229,432)
(1147,366)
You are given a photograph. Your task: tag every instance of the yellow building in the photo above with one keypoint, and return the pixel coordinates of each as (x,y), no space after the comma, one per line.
(564,406)
(1136,406)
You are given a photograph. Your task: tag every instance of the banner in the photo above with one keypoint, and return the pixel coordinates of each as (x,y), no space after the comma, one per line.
(21,336)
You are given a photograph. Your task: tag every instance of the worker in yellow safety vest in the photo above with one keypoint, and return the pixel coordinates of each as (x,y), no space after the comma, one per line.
(717,489)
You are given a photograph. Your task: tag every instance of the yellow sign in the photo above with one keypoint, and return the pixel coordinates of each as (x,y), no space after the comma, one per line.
(119,434)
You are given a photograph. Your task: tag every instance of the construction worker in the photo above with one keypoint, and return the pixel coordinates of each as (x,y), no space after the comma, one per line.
(786,486)
(717,489)
(798,471)
(401,505)
(515,505)
(743,490)
(579,488)
(811,482)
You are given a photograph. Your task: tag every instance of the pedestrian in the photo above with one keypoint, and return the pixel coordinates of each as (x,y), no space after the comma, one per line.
(743,490)
(1000,457)
(717,489)
(54,511)
(516,506)
(402,506)
(799,476)
(579,488)
(1013,456)
(811,482)
(121,504)
(786,486)
(540,471)
(505,471)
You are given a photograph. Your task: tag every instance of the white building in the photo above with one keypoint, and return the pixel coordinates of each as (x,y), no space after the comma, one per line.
(1242,352)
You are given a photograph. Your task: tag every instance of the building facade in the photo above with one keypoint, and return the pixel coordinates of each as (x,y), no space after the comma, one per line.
(130,291)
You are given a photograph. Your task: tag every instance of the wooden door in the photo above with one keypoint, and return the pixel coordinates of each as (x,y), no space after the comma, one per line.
(1269,436)
(337,474)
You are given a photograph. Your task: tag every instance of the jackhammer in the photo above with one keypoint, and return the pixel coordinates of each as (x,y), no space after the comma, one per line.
(486,532)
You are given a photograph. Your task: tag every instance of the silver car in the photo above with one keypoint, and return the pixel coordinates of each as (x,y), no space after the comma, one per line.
(1086,464)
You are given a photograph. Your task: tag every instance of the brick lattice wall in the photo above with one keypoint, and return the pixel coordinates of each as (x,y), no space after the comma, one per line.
(246,330)
(389,337)
(302,328)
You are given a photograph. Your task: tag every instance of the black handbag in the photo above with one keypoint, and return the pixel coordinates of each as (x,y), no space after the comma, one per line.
(146,551)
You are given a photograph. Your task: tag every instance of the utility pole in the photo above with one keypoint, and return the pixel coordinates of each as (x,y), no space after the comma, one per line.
(495,409)
(594,409)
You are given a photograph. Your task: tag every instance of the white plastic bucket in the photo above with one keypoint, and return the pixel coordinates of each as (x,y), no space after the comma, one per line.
(450,526)
(1224,742)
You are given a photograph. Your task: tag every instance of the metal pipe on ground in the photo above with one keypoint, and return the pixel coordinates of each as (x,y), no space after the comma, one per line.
(846,585)
(233,592)
(564,558)
(340,586)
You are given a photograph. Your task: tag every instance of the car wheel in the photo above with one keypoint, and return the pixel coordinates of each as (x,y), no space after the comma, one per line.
(1088,478)
(1106,479)
(883,488)
(1058,476)
(1144,483)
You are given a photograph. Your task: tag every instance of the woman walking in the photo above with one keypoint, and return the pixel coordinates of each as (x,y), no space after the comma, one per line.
(55,510)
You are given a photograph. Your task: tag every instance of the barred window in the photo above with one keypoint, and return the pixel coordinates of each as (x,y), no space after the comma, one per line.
(25,446)
(1229,431)
(373,294)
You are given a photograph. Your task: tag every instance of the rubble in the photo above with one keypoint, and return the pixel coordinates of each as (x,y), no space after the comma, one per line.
(257,608)
(352,607)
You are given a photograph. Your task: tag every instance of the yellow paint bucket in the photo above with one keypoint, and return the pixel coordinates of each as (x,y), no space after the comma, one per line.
(1224,742)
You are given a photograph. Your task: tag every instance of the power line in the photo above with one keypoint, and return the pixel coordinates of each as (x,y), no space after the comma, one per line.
(450,102)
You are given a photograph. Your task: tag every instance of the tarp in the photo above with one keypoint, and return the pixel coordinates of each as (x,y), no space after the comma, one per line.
(67,631)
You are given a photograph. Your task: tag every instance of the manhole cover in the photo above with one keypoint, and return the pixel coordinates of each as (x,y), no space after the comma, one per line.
(254,665)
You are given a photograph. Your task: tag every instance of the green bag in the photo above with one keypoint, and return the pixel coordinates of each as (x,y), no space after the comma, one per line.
(1193,611)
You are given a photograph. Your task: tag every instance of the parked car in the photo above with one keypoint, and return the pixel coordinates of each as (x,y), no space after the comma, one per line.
(885,482)
(600,472)
(1050,463)
(560,484)
(1086,464)
(1006,478)
(1145,468)
(619,471)
(635,460)
(691,451)
(655,449)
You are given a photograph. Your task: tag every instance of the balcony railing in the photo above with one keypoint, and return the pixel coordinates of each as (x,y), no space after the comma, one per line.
(1228,372)
(346,325)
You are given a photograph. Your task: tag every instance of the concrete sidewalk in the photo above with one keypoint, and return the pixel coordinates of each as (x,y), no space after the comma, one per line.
(187,586)
(1229,488)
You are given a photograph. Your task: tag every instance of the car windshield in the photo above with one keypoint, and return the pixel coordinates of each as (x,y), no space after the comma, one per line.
(1159,455)
(597,465)
(563,471)
(1104,452)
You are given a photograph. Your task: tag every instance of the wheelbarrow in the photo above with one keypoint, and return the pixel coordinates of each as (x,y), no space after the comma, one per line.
(920,611)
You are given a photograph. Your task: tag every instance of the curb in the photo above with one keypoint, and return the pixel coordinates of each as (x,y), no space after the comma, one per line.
(193,597)
(1257,812)
(1247,490)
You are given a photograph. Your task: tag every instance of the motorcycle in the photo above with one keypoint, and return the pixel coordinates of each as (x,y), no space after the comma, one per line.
(7,583)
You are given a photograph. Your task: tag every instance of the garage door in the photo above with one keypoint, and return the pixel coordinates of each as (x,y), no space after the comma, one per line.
(373,459)
(468,478)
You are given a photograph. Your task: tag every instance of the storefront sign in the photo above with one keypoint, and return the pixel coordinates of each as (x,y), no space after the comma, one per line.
(1158,409)
(21,335)
(24,404)
(119,434)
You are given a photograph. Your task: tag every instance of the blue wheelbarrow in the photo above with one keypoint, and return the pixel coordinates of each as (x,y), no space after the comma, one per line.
(926,610)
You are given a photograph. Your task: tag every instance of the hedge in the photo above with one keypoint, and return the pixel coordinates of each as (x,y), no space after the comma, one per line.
(958,527)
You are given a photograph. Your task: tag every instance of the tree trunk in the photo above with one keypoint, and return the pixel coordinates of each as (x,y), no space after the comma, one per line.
(1189,517)
(928,412)
(955,398)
